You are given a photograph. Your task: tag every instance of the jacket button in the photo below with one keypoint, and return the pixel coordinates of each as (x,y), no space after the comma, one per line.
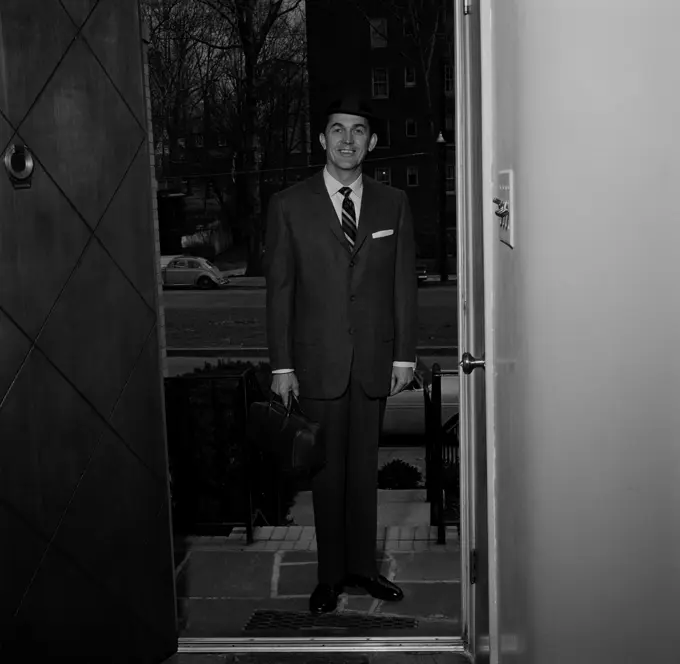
(351,330)
(352,298)
(351,264)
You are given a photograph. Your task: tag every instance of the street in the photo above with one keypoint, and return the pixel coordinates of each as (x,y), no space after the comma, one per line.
(432,295)
(236,317)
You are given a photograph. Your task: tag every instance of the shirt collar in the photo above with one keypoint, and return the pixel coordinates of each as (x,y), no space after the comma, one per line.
(333,186)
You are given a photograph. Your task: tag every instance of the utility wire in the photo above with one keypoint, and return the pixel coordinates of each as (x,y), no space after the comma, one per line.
(292,168)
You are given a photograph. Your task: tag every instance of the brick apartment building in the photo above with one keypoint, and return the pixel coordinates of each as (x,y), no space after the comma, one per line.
(372,47)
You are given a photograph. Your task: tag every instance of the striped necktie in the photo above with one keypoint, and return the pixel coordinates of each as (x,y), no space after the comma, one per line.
(349,219)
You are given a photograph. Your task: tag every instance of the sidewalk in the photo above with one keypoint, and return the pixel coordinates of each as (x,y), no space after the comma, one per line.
(224,584)
(237,279)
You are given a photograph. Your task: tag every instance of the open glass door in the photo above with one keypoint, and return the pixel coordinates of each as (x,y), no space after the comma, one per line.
(471,330)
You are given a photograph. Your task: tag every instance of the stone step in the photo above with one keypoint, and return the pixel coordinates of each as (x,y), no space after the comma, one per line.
(395,508)
(303,538)
(405,513)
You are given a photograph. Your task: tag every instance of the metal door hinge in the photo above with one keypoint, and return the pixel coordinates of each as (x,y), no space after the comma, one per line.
(473,566)
(467,7)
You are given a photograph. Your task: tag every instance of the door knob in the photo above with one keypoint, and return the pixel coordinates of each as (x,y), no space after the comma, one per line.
(19,165)
(469,364)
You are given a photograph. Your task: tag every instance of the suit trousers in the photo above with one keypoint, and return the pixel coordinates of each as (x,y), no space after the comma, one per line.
(345,491)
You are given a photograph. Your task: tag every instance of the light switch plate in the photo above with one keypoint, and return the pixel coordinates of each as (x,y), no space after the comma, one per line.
(506,227)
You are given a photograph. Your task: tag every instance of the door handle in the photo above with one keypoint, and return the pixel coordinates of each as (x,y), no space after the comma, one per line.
(19,165)
(469,363)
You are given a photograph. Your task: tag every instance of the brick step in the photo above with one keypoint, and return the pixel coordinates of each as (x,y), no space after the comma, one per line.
(303,538)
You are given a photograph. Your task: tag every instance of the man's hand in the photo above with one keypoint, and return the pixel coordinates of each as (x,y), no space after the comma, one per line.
(285,383)
(401,377)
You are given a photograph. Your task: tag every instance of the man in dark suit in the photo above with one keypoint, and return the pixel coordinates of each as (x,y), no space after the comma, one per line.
(341,327)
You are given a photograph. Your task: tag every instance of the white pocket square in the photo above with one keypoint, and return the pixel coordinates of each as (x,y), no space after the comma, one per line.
(378,234)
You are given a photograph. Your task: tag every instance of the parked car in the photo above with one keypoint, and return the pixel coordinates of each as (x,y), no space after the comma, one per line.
(192,271)
(404,412)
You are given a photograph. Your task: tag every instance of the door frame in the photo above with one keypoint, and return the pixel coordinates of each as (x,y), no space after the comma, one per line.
(462,201)
(491,244)
(466,213)
(414,644)
(456,644)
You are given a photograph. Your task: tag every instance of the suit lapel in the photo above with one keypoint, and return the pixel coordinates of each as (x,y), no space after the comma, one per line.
(326,207)
(370,208)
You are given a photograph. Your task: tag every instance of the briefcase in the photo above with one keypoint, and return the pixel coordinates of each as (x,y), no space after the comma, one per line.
(286,433)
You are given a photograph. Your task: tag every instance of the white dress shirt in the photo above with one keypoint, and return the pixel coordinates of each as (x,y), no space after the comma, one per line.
(333,187)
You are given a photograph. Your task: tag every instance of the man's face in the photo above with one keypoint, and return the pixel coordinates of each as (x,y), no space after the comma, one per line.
(347,140)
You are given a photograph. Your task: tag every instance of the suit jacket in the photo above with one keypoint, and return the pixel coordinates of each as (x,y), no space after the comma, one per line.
(326,303)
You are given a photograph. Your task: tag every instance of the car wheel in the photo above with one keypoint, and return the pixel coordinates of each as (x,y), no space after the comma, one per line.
(205,283)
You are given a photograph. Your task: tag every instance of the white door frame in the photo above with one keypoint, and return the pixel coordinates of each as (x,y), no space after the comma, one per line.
(462,212)
(491,244)
(392,644)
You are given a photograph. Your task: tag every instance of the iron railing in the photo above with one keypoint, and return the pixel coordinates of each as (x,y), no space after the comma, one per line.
(442,457)
(206,423)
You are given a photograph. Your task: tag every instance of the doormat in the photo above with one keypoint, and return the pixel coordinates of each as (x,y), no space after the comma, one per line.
(263,619)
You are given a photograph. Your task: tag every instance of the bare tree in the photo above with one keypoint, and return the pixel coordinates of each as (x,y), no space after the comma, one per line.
(423,23)
(258,29)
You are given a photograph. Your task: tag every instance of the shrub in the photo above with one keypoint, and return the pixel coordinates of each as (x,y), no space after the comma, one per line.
(398,474)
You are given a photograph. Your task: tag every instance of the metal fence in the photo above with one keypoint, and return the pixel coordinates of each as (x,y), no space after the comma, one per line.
(218,479)
(442,457)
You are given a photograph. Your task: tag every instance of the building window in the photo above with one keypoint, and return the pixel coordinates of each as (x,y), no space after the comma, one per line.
(411,128)
(409,77)
(383,175)
(221,140)
(381,85)
(450,179)
(378,32)
(408,28)
(412,176)
(448,79)
(198,140)
(384,135)
(448,123)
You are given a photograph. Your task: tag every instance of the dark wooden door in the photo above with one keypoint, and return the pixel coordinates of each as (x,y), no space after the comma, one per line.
(85,539)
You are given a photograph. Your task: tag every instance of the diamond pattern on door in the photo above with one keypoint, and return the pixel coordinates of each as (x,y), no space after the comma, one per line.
(67,610)
(39,249)
(83,133)
(72,490)
(29,56)
(97,302)
(130,518)
(6,132)
(111,34)
(22,561)
(131,245)
(135,406)
(15,347)
(48,433)
(79,9)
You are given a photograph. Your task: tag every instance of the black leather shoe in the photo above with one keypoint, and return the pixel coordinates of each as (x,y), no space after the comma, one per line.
(377,586)
(325,598)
